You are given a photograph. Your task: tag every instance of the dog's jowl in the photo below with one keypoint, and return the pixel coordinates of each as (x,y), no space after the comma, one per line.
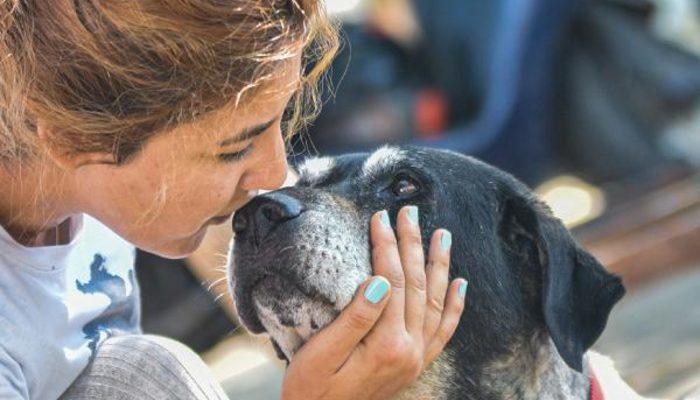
(536,303)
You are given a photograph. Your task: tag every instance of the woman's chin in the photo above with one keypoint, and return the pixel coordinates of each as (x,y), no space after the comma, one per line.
(180,248)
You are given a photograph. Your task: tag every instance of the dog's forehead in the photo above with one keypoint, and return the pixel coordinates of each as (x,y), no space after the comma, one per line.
(439,166)
(382,160)
(316,169)
(366,165)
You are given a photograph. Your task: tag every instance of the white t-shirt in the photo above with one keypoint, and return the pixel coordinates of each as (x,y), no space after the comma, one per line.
(57,303)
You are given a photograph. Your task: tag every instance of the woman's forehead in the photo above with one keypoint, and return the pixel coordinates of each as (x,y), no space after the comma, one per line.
(257,107)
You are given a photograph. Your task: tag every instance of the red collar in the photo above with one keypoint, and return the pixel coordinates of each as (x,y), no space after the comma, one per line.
(596,393)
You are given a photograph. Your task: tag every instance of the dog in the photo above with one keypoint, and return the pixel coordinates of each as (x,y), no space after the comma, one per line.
(537,300)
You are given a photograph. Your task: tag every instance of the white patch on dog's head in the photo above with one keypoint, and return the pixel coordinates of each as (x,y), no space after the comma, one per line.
(315,169)
(382,159)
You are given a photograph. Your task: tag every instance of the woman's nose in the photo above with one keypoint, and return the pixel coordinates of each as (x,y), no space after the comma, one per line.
(270,171)
(268,177)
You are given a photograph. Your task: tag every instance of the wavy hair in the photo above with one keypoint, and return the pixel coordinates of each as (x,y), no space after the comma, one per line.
(107,75)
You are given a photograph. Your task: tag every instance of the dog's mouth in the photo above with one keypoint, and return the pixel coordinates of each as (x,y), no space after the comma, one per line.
(271,289)
(300,278)
(295,299)
(289,312)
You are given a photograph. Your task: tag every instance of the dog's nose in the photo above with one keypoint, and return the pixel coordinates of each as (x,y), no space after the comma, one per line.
(263,213)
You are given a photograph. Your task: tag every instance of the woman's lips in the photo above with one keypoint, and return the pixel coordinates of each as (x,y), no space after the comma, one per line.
(219,220)
(237,204)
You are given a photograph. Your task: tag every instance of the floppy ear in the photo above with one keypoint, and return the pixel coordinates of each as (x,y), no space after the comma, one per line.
(279,352)
(577,293)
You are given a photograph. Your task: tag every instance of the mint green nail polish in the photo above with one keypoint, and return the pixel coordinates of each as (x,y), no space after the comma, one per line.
(376,290)
(384,217)
(413,214)
(463,288)
(446,240)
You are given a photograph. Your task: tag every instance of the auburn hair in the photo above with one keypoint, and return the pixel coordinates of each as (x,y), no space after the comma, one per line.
(107,75)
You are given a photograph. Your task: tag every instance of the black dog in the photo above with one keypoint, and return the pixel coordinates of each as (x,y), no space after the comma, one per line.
(536,303)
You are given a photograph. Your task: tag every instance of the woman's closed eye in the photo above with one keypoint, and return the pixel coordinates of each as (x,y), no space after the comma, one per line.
(235,156)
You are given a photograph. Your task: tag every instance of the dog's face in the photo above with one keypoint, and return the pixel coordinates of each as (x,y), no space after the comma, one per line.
(300,253)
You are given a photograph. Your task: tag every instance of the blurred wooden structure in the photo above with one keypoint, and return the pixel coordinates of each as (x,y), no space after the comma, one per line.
(652,239)
(651,236)
(652,335)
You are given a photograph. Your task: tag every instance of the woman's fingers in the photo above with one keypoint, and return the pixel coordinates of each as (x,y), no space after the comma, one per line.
(332,346)
(437,273)
(413,262)
(386,262)
(399,321)
(454,305)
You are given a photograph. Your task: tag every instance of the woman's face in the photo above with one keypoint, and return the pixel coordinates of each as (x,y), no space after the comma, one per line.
(195,176)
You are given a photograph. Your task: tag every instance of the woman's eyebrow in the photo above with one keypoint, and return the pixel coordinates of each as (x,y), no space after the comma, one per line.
(248,133)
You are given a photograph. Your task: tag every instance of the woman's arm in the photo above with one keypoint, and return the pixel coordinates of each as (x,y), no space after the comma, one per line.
(12,383)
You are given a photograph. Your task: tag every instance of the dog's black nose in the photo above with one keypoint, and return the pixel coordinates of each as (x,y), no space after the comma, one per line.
(263,213)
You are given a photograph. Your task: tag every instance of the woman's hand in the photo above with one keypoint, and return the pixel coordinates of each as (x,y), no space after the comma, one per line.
(399,321)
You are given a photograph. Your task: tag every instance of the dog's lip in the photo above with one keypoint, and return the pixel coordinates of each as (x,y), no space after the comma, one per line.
(291,281)
(250,318)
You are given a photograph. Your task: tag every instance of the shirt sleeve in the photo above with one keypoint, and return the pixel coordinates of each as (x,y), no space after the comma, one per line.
(12,383)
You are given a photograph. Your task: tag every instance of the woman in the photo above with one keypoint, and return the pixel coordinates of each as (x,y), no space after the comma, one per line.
(150,121)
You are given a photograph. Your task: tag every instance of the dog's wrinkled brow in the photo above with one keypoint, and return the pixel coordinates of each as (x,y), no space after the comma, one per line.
(315,170)
(382,160)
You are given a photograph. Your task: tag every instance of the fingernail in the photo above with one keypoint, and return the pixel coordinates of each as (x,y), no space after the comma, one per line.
(413,214)
(463,289)
(446,240)
(376,290)
(384,217)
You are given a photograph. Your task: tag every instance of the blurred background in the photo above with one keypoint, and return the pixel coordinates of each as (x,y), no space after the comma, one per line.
(595,104)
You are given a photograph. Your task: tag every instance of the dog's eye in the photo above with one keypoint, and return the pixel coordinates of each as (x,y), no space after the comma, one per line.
(404,186)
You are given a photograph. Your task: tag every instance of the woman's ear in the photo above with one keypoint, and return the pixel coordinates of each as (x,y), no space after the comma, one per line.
(67,159)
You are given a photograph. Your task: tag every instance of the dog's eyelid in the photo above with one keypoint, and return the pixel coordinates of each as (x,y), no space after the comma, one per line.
(414,176)
(407,170)
(405,186)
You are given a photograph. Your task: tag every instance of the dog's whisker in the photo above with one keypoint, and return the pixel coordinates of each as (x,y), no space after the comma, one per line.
(220,296)
(214,286)
(235,330)
(286,249)
(215,282)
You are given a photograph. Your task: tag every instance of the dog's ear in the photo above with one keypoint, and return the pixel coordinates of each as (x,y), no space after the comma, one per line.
(279,352)
(577,293)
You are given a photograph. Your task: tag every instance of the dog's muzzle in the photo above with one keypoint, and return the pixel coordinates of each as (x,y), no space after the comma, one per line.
(297,260)
(263,214)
